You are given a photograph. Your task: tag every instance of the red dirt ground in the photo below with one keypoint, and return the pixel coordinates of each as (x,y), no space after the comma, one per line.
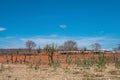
(43,58)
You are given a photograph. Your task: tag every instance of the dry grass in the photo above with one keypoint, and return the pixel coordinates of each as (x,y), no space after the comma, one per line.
(36,68)
(71,72)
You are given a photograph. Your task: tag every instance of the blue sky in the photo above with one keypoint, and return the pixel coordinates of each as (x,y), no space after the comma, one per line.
(47,21)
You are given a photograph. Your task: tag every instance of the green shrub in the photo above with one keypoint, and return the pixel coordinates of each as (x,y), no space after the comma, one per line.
(101,62)
(68,59)
(117,63)
(86,63)
(1,67)
(78,62)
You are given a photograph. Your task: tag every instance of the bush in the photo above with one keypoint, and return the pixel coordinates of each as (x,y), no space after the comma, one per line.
(101,63)
(117,63)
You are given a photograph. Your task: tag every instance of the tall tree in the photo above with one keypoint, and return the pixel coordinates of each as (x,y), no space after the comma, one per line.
(70,45)
(61,48)
(50,49)
(118,47)
(96,46)
(30,45)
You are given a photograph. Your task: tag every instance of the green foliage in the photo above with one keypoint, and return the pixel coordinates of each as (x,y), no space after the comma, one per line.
(78,62)
(101,63)
(50,49)
(93,61)
(68,59)
(55,63)
(118,48)
(36,67)
(117,63)
(39,50)
(1,67)
(86,63)
(7,60)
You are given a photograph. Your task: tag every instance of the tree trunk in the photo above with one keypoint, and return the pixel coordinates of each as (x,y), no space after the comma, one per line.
(12,58)
(51,57)
(25,59)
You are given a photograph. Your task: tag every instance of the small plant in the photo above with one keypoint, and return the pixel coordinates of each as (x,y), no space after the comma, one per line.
(76,72)
(68,59)
(114,72)
(25,58)
(30,65)
(117,63)
(101,63)
(16,59)
(78,62)
(86,63)
(12,58)
(1,67)
(56,64)
(39,50)
(20,61)
(93,61)
(36,67)
(7,60)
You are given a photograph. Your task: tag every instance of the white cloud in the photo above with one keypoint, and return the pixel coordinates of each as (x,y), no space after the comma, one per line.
(2,29)
(63,26)
(81,41)
(42,41)
(15,42)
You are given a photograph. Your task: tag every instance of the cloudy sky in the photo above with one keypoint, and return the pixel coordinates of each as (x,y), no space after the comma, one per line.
(47,21)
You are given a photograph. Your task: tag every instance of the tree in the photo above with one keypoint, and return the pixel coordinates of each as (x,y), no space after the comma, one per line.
(115,50)
(118,47)
(70,45)
(61,48)
(39,50)
(96,46)
(30,45)
(84,49)
(50,49)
